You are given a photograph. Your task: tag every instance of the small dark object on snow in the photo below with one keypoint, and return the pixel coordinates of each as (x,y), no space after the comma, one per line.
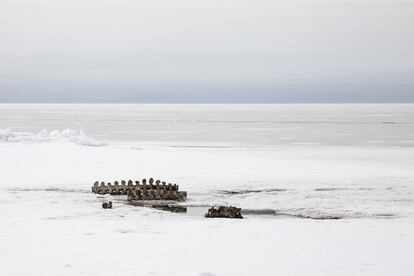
(107,205)
(224,212)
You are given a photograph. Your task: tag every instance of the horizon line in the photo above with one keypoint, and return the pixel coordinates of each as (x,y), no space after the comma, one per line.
(93,102)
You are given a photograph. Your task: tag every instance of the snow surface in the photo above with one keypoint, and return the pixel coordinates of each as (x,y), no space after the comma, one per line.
(51,224)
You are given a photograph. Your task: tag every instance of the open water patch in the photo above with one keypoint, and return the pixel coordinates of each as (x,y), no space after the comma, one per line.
(329,189)
(57,190)
(201,210)
(248,191)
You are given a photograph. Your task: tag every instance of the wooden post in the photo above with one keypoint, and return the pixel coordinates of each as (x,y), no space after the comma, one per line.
(102,188)
(95,187)
(116,188)
(123,188)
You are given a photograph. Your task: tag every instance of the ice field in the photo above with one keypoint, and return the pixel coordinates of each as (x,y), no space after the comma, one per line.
(339,178)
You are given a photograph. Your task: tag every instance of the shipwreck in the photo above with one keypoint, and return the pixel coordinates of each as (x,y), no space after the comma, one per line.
(136,190)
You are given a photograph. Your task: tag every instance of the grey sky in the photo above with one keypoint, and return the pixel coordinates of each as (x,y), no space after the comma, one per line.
(207,51)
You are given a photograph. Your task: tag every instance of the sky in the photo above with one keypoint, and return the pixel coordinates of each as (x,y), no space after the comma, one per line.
(207,51)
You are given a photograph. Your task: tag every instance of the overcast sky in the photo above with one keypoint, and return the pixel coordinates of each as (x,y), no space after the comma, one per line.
(207,51)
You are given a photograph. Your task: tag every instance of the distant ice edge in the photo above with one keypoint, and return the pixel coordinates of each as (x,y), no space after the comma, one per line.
(67,135)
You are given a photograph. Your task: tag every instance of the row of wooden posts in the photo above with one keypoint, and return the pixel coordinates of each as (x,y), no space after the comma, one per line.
(151,190)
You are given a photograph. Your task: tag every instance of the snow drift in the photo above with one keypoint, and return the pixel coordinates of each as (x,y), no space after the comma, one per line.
(68,135)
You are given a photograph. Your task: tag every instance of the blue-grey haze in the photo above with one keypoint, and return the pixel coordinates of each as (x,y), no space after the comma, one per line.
(207,51)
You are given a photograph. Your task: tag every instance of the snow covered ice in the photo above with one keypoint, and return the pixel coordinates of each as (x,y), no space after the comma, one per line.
(307,162)
(6,135)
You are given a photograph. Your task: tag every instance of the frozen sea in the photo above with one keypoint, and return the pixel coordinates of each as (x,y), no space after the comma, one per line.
(338,179)
(250,126)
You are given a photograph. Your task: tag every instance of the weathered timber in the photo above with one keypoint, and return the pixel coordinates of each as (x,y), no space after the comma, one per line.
(224,212)
(151,190)
(107,205)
